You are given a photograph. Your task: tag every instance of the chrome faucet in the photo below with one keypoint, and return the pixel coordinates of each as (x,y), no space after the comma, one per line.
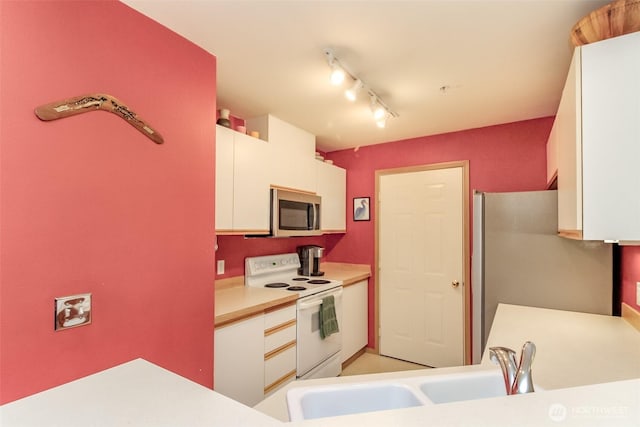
(517,377)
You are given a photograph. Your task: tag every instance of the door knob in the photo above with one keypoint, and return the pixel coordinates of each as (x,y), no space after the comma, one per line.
(455,284)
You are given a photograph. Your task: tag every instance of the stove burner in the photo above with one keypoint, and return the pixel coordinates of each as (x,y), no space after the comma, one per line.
(276,285)
(296,288)
(318,282)
(300,279)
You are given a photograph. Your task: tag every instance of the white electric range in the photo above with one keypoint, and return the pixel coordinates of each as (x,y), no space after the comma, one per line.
(317,357)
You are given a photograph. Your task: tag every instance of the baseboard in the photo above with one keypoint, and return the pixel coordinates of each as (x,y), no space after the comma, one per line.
(631,315)
(350,360)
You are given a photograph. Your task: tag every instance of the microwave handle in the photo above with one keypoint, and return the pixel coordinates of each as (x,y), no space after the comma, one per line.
(314,216)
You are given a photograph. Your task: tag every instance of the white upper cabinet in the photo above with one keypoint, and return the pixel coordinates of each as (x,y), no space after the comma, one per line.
(224,179)
(247,167)
(293,152)
(251,183)
(598,136)
(331,186)
(242,183)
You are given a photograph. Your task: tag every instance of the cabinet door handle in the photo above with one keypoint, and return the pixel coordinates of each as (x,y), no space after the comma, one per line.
(455,284)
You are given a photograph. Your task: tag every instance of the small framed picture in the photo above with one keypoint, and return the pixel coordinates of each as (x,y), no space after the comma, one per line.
(72,311)
(361,209)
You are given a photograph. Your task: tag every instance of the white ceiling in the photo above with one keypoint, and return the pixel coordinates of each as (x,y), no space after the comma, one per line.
(502,61)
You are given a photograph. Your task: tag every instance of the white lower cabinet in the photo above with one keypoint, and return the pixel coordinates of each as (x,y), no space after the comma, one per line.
(238,363)
(279,348)
(256,356)
(354,319)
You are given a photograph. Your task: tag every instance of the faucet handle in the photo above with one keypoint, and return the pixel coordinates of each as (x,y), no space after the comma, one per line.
(523,382)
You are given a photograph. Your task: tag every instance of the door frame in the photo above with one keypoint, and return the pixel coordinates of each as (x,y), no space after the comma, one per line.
(464,164)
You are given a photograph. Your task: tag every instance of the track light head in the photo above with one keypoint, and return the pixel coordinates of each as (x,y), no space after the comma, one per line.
(377,110)
(352,92)
(337,75)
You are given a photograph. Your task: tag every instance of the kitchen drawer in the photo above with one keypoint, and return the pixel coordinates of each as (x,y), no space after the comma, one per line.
(279,316)
(277,337)
(279,365)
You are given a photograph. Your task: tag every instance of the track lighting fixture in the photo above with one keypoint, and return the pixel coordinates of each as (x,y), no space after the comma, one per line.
(381,112)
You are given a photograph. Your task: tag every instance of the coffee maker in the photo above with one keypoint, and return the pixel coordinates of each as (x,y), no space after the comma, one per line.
(310,260)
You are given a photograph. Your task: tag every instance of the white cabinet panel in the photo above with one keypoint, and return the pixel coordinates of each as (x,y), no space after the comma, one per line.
(611,138)
(224,179)
(354,314)
(332,187)
(598,142)
(239,360)
(279,366)
(280,316)
(569,140)
(293,151)
(279,339)
(251,182)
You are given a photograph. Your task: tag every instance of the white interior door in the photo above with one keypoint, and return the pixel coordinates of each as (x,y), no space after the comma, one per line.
(420,260)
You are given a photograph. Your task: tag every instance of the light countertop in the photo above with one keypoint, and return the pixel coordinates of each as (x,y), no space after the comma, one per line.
(234,301)
(137,393)
(572,349)
(348,273)
(240,302)
(142,394)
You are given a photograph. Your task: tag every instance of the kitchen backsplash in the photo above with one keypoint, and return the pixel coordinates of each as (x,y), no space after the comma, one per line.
(234,249)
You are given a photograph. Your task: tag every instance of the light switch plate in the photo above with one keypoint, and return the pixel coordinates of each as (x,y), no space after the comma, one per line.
(72,311)
(220,266)
(637,293)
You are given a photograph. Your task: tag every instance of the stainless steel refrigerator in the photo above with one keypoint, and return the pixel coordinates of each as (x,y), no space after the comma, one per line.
(517,258)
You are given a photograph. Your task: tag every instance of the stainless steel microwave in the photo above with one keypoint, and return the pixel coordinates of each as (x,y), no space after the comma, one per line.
(294,213)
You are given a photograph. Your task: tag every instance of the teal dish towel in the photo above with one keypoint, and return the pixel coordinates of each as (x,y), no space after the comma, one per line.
(328,319)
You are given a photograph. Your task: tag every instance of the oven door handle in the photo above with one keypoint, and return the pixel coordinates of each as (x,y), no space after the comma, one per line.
(307,305)
(316,302)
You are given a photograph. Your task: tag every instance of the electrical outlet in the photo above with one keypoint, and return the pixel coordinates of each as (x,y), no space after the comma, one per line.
(637,293)
(220,266)
(72,311)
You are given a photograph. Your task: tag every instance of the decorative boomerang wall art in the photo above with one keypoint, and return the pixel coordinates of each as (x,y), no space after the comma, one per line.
(97,101)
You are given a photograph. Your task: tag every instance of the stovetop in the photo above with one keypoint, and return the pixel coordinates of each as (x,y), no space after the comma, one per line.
(281,272)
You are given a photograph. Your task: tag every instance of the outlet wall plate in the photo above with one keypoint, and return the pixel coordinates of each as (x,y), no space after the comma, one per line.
(72,311)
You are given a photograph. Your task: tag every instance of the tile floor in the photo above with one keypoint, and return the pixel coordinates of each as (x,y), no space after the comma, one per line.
(370,363)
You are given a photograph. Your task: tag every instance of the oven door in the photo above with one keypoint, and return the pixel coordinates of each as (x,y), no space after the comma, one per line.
(313,350)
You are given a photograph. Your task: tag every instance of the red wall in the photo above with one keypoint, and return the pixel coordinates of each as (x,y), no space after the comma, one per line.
(89,204)
(630,273)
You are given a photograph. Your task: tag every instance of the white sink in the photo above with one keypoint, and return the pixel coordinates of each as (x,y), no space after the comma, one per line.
(457,387)
(305,403)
